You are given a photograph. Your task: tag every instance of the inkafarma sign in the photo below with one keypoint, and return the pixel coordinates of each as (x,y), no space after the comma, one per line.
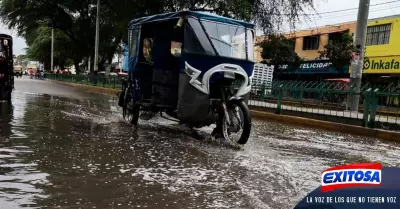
(382,64)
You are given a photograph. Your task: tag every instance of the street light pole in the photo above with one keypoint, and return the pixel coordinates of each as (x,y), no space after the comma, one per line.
(96,49)
(52,50)
(359,43)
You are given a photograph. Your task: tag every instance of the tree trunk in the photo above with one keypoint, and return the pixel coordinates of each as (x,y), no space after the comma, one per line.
(91,64)
(62,66)
(102,63)
(110,55)
(47,66)
(77,68)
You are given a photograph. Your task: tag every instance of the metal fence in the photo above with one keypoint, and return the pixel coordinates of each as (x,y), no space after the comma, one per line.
(112,82)
(379,105)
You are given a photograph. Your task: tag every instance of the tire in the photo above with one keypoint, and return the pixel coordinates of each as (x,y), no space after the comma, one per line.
(131,115)
(5,95)
(135,112)
(121,98)
(246,122)
(2,94)
(9,95)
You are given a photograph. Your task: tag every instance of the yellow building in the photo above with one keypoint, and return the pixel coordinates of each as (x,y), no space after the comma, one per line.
(309,42)
(382,44)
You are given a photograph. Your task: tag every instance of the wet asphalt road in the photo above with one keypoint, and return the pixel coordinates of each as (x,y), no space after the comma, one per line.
(63,147)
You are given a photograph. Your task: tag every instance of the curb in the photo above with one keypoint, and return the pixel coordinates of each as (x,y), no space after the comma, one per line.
(95,89)
(329,126)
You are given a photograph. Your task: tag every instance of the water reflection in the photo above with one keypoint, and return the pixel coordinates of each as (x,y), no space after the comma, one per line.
(19,174)
(6,114)
(77,153)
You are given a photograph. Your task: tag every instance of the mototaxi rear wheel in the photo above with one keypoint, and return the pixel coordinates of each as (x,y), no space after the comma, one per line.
(131,110)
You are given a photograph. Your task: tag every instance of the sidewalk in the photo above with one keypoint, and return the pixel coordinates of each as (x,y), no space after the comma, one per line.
(342,114)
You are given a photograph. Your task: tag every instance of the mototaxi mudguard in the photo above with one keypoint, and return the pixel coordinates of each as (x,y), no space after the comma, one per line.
(6,85)
(5,92)
(193,105)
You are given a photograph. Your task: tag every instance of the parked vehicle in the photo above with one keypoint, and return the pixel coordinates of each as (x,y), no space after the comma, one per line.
(6,67)
(194,66)
(18,71)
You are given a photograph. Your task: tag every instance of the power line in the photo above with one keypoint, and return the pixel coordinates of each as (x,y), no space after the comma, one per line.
(336,11)
(330,12)
(345,15)
(356,8)
(351,14)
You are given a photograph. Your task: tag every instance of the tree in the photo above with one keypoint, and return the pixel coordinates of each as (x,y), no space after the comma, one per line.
(39,47)
(278,50)
(339,51)
(76,19)
(21,59)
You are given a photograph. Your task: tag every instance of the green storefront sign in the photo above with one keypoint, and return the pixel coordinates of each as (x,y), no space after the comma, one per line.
(312,67)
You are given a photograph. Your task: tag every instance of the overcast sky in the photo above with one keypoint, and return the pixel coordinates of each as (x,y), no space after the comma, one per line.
(321,6)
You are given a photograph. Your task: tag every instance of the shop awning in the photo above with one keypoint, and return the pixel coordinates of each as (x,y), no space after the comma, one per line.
(344,80)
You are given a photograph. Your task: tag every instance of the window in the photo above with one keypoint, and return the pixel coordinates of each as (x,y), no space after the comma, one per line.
(229,40)
(311,43)
(250,44)
(133,39)
(192,43)
(337,37)
(176,48)
(2,50)
(378,35)
(293,43)
(5,46)
(148,49)
(198,33)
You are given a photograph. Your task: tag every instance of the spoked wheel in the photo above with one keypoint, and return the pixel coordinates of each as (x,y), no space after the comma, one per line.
(130,112)
(238,131)
(127,113)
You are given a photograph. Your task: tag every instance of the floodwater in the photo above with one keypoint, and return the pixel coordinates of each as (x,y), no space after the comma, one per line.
(63,147)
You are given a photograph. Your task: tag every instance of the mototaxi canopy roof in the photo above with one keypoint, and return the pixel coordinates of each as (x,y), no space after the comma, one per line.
(18,68)
(198,14)
(2,35)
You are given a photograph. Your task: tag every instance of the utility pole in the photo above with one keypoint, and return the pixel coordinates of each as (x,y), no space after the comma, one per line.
(96,49)
(52,50)
(359,43)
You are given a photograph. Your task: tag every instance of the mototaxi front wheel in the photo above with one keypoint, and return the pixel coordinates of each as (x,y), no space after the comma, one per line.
(238,131)
(135,114)
(130,112)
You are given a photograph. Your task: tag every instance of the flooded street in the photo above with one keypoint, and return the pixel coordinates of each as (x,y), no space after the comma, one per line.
(64,147)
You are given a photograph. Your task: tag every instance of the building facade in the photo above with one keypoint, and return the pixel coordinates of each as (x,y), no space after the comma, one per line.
(382,60)
(382,47)
(263,74)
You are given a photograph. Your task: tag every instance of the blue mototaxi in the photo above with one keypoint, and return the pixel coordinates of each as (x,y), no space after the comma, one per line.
(195,67)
